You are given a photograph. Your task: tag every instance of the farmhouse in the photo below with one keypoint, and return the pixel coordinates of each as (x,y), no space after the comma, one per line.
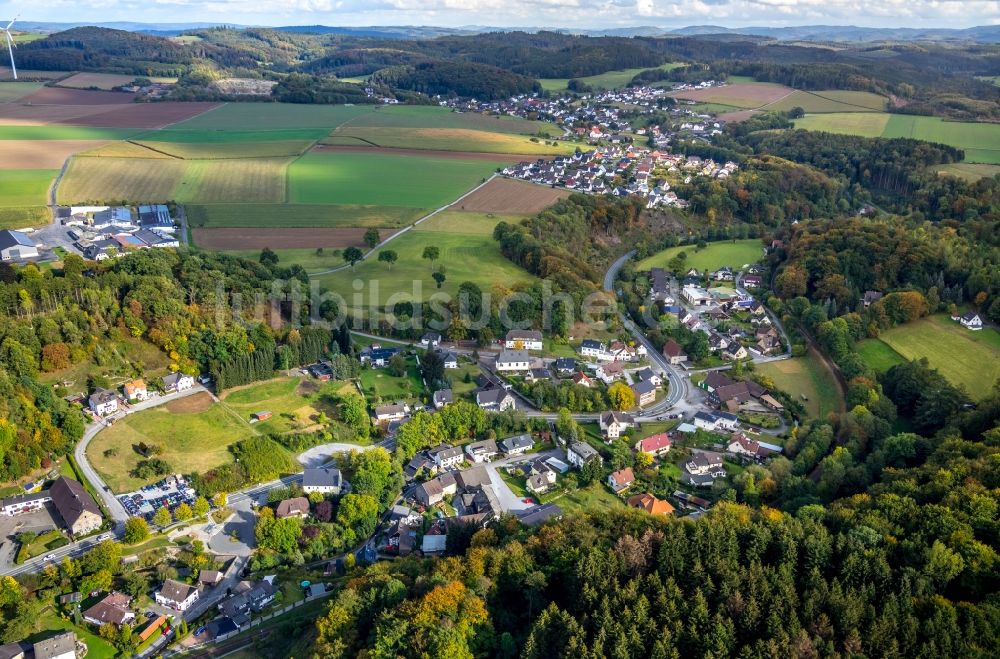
(112,608)
(970,320)
(714,380)
(613,424)
(176,595)
(103,402)
(325,480)
(580,453)
(155,217)
(497,400)
(16,246)
(655,445)
(176,382)
(523,340)
(513,361)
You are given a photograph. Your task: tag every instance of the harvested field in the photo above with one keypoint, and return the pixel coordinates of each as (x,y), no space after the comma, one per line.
(192,404)
(31,154)
(831,101)
(446,139)
(116,115)
(285,238)
(426,153)
(11,91)
(736,117)
(504,195)
(125,150)
(740,95)
(106,81)
(223,151)
(19,114)
(232,181)
(60,96)
(428,116)
(145,115)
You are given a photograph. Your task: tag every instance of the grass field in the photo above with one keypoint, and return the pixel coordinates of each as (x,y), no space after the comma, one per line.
(307,258)
(602,81)
(23,217)
(472,256)
(380,384)
(980,141)
(193,441)
(446,139)
(295,402)
(429,116)
(56,132)
(832,100)
(227,151)
(300,215)
(467,222)
(154,180)
(969,359)
(805,375)
(713,257)
(878,355)
(739,94)
(273,116)
(968,171)
(382,179)
(25,187)
(11,91)
(104,80)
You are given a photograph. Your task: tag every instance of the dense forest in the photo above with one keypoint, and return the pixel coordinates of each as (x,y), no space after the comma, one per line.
(465,79)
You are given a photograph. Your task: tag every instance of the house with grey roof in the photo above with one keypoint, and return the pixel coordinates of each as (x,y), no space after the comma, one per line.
(325,480)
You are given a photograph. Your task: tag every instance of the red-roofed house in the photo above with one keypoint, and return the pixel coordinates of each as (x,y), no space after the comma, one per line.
(674,352)
(621,480)
(655,445)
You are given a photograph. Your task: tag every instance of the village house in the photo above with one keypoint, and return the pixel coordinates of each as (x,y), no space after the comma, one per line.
(564,365)
(325,480)
(740,444)
(209,577)
(714,380)
(513,361)
(449,359)
(523,340)
(734,352)
(541,479)
(484,451)
(592,348)
(376,355)
(621,480)
(582,379)
(443,398)
(645,393)
(445,456)
(176,595)
(430,340)
(970,320)
(871,297)
(713,421)
(77,508)
(580,453)
(538,375)
(247,597)
(650,504)
(295,507)
(647,375)
(495,400)
(659,290)
(610,371)
(703,468)
(112,608)
(393,412)
(103,402)
(60,646)
(176,382)
(674,352)
(19,504)
(135,390)
(432,492)
(516,445)
(615,424)
(654,445)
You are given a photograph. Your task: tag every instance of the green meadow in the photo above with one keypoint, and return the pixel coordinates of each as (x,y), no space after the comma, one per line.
(712,257)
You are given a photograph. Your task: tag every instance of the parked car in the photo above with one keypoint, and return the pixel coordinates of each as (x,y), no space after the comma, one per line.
(50,557)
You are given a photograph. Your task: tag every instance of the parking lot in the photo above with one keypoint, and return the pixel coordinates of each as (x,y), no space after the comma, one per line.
(169,492)
(39,521)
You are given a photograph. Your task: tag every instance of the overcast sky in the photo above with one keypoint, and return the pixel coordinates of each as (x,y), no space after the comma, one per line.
(507,13)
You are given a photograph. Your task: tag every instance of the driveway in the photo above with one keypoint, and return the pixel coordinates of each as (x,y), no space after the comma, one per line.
(509,501)
(321,455)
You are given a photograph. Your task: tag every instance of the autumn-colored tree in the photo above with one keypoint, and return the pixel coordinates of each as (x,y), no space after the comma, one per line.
(55,356)
(621,396)
(792,282)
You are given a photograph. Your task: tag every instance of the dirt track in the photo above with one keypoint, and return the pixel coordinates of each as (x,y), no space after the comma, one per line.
(286,238)
(504,195)
(427,153)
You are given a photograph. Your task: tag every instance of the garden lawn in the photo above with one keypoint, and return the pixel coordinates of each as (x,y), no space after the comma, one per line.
(965,358)
(595,497)
(878,354)
(381,179)
(49,623)
(805,375)
(25,187)
(273,116)
(379,383)
(300,215)
(294,402)
(466,257)
(714,256)
(193,442)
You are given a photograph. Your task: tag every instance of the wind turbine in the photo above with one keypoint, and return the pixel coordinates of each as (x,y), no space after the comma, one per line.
(11,46)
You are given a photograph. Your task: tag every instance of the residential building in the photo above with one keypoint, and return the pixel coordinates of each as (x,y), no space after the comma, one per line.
(25,503)
(325,480)
(516,445)
(614,424)
(209,577)
(539,514)
(650,504)
(735,352)
(376,355)
(294,507)
(659,290)
(645,392)
(740,444)
(580,453)
(177,382)
(60,646)
(592,348)
(443,398)
(621,480)
(449,359)
(674,352)
(541,482)
(77,508)
(17,246)
(484,451)
(513,361)
(445,456)
(391,412)
(713,421)
(103,402)
(247,597)
(435,490)
(870,298)
(714,380)
(495,400)
(112,608)
(564,365)
(970,320)
(610,371)
(705,463)
(421,462)
(135,390)
(647,375)
(430,340)
(176,595)
(654,445)
(523,340)
(16,650)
